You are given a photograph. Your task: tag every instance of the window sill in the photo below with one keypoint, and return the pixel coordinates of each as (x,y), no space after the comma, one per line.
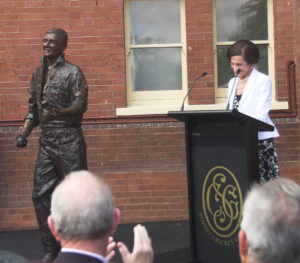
(279,105)
(164,109)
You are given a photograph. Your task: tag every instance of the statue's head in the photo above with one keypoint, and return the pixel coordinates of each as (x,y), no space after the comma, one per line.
(55,42)
(61,33)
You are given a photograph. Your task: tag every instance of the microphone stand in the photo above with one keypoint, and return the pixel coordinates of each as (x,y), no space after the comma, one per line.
(193,84)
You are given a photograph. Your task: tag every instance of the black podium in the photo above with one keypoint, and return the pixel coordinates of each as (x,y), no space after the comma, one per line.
(222,162)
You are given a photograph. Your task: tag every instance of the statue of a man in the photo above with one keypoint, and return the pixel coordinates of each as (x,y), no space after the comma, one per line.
(57,100)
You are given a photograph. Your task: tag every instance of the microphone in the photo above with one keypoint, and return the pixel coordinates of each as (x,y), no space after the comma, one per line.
(193,84)
(237,72)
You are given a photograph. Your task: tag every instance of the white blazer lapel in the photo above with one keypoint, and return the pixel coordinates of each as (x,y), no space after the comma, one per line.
(249,85)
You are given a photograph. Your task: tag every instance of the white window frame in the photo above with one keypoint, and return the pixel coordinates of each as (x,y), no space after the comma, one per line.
(161,102)
(139,98)
(221,94)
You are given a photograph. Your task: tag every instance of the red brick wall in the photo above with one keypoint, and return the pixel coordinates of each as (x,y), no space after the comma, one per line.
(144,163)
(284,42)
(143,159)
(96,43)
(286,15)
(199,35)
(297,38)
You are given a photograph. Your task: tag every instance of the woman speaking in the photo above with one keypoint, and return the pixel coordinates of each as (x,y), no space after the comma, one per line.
(250,92)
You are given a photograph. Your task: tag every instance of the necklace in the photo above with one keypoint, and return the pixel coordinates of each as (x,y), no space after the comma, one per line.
(245,79)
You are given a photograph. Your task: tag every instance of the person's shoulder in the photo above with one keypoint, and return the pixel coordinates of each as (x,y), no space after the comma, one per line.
(261,78)
(261,74)
(38,70)
(73,67)
(262,82)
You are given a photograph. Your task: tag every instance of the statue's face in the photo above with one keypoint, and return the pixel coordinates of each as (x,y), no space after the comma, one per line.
(52,46)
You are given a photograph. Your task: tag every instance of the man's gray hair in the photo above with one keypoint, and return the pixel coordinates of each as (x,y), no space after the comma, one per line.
(271,221)
(82,207)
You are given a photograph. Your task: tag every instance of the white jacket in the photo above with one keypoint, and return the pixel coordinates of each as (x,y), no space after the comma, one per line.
(256,100)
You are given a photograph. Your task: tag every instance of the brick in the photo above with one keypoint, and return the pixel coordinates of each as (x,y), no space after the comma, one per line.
(144,162)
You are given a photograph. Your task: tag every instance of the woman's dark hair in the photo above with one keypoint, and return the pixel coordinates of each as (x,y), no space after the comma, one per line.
(245,48)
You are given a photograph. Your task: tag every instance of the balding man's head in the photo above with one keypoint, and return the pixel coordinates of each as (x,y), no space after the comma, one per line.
(82,207)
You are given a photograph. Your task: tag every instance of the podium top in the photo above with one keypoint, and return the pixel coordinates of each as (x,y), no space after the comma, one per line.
(224,116)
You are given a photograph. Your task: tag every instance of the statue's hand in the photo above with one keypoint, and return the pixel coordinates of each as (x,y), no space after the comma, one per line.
(51,114)
(21,141)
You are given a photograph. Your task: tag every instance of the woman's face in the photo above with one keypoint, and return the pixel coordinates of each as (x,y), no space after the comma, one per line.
(238,62)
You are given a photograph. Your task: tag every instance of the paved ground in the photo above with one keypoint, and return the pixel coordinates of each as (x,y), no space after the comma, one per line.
(170,242)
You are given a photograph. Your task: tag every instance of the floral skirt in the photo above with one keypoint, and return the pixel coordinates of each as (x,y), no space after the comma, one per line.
(268,161)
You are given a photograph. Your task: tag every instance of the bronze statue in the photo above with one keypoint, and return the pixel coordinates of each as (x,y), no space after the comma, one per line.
(57,100)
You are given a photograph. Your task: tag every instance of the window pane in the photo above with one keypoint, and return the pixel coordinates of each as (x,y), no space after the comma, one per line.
(224,70)
(262,65)
(156,69)
(243,19)
(155,22)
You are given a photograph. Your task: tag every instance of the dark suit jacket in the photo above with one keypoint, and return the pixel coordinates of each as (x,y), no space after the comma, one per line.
(68,257)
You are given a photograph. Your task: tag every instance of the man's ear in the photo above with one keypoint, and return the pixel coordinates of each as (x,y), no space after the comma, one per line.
(243,246)
(116,221)
(52,228)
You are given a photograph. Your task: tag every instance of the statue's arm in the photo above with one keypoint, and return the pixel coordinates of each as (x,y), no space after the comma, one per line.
(31,119)
(79,94)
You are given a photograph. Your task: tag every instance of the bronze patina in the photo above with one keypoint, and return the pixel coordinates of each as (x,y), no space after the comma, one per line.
(57,101)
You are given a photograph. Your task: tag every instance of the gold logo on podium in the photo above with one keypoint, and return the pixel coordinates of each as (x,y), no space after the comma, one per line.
(222,203)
